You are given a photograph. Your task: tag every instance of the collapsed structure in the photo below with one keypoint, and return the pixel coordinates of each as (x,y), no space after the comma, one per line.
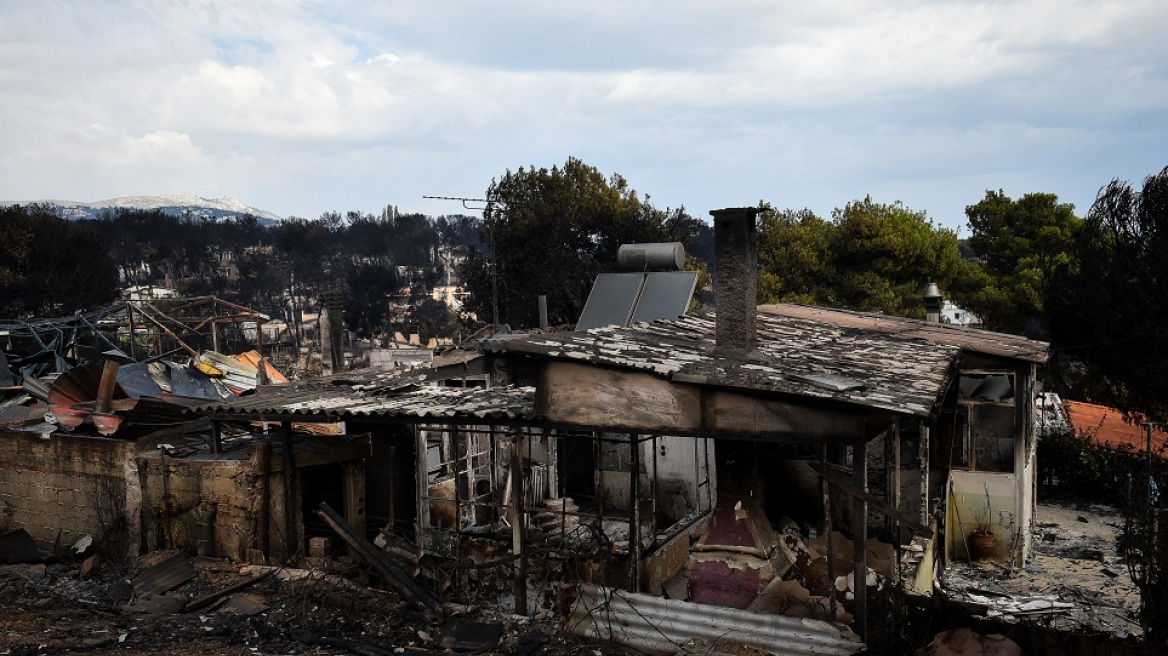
(801,463)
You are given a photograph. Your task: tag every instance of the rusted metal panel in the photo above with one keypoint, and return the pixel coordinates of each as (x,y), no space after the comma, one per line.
(167,575)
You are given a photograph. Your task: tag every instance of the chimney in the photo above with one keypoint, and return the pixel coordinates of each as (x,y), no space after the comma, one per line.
(332,328)
(736,287)
(932,303)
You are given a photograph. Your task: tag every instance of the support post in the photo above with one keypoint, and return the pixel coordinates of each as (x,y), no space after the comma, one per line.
(216,438)
(923,450)
(291,546)
(264,454)
(393,484)
(518,537)
(1024,448)
(634,514)
(130,325)
(860,539)
(889,490)
(825,491)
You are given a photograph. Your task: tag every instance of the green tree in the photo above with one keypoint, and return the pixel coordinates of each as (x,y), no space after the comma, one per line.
(1020,245)
(794,258)
(49,266)
(552,231)
(870,257)
(1108,311)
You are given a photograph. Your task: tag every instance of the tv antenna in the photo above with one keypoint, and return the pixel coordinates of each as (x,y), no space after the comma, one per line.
(494,268)
(462,199)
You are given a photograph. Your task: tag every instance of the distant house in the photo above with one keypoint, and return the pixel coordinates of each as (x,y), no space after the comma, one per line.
(955,314)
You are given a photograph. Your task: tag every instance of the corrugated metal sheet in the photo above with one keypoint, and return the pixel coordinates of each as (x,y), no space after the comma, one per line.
(796,357)
(341,403)
(666,625)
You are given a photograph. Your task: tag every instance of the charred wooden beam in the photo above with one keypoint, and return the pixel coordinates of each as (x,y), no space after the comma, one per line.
(860,538)
(390,571)
(845,485)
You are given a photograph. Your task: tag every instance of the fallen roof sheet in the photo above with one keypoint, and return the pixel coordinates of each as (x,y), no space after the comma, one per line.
(799,357)
(427,403)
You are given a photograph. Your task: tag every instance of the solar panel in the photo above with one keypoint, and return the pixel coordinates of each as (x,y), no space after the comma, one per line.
(618,299)
(665,295)
(611,301)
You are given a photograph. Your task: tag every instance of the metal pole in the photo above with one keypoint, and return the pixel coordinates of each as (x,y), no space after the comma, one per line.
(392,485)
(1148,483)
(494,280)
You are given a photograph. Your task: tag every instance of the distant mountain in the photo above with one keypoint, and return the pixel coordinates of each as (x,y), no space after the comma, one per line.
(215,209)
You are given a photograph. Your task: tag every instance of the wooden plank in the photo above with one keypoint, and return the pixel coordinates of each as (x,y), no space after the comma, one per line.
(209,598)
(845,485)
(390,571)
(923,450)
(774,419)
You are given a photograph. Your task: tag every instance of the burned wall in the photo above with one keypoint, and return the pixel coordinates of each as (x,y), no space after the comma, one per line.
(226,508)
(68,486)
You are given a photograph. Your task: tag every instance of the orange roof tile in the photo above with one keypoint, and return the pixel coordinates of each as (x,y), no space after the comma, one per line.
(1107,427)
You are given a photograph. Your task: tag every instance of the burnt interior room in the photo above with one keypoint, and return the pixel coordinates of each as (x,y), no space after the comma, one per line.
(775,474)
(390,480)
(320,484)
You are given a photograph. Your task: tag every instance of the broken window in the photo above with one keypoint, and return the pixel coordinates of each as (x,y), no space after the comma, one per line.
(978,433)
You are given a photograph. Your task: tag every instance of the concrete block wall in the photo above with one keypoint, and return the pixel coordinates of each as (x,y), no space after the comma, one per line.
(68,486)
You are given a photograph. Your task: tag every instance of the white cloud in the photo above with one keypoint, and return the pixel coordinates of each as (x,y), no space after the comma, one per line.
(320,104)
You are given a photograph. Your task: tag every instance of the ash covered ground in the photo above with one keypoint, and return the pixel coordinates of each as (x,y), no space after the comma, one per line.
(51,608)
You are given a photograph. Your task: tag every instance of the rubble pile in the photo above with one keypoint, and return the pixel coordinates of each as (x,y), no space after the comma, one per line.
(803,585)
(168,603)
(1076,581)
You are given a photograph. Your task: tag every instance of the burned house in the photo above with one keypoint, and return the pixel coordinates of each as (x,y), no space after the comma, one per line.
(764,473)
(770,458)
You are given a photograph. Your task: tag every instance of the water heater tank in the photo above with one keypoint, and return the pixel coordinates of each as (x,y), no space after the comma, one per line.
(641,257)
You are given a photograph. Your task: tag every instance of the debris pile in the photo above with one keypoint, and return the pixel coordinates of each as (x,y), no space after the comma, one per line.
(806,583)
(168,603)
(1075,582)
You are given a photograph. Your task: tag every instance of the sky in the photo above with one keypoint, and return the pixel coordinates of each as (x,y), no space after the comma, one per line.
(301,107)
